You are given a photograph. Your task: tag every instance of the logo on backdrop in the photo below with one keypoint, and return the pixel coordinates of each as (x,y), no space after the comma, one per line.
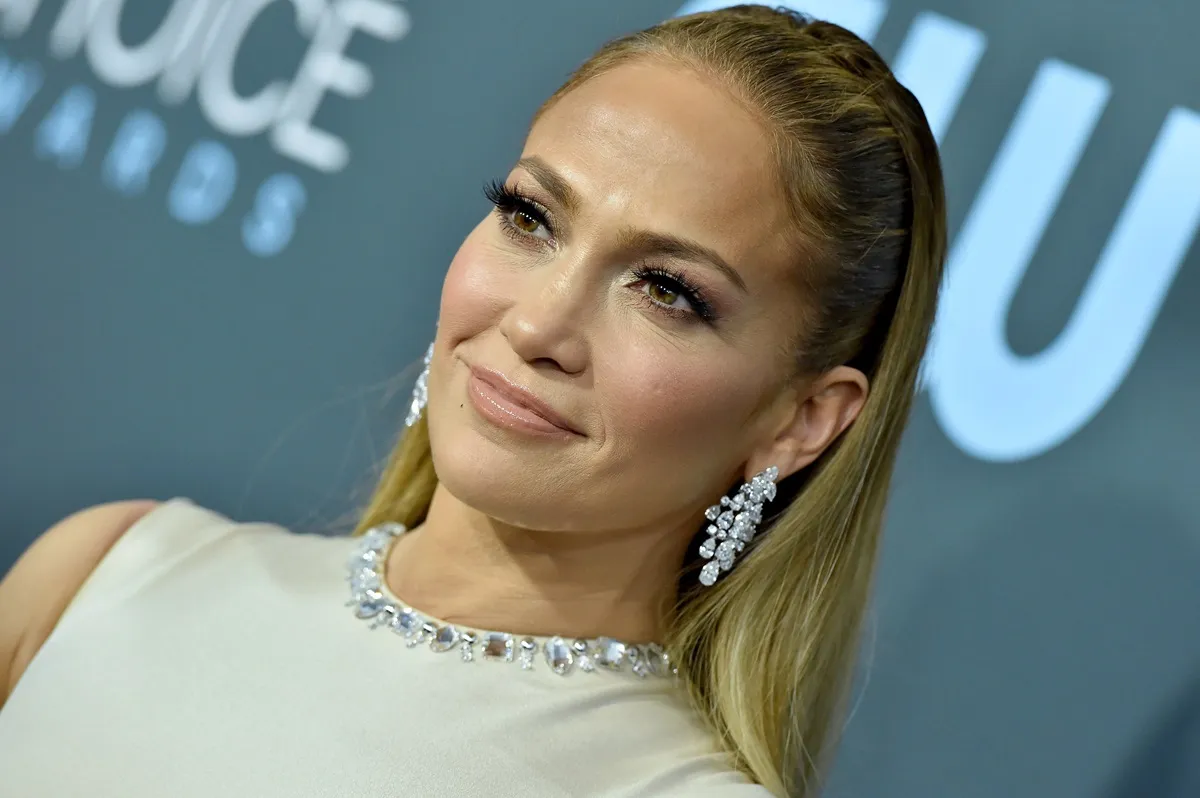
(992,403)
(193,50)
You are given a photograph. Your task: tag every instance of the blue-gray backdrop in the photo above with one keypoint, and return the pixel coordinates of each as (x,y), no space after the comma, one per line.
(224,223)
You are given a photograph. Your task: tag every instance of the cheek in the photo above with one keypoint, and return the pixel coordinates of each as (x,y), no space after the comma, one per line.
(678,402)
(471,293)
(471,304)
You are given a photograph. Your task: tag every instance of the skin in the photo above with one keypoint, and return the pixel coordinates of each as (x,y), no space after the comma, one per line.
(584,534)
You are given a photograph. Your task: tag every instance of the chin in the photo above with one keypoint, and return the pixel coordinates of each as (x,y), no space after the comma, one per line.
(513,483)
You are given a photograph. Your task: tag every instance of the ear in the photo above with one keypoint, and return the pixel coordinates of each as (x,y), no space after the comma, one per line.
(818,413)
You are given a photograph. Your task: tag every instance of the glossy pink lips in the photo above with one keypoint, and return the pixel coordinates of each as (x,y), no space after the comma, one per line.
(511,407)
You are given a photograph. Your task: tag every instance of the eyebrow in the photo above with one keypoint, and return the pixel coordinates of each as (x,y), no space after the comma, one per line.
(671,246)
(554,183)
(647,242)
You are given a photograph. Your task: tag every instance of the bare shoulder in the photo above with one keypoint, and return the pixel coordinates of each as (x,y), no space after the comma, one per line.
(38,588)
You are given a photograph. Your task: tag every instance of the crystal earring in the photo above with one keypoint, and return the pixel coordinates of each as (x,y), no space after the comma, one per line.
(734,522)
(420,394)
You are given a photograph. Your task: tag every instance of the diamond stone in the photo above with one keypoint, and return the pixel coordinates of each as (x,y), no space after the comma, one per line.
(709,573)
(611,653)
(725,519)
(558,655)
(423,633)
(364,579)
(444,639)
(583,657)
(641,664)
(712,512)
(660,663)
(385,617)
(406,622)
(370,604)
(466,648)
(498,646)
(708,548)
(528,646)
(725,553)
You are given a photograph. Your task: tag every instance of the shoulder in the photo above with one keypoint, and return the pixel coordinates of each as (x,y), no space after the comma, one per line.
(707,782)
(38,588)
(656,726)
(715,781)
(731,790)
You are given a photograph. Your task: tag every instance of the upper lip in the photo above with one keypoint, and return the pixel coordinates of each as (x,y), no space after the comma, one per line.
(522,396)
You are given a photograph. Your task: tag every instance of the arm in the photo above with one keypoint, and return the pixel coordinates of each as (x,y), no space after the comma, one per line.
(43,581)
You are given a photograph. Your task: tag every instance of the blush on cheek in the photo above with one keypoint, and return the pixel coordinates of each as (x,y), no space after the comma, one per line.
(677,403)
(472,291)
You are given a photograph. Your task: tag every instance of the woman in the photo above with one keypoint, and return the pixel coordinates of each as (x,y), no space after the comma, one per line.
(642,483)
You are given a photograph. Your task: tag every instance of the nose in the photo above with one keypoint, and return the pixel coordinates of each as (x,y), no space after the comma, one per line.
(548,319)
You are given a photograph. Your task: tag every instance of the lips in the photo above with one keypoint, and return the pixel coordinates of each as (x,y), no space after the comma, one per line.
(522,398)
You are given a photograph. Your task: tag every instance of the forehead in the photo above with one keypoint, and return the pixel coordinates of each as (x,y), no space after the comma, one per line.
(661,147)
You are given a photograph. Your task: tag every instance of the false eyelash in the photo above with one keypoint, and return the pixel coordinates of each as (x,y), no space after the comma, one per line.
(679,284)
(508,200)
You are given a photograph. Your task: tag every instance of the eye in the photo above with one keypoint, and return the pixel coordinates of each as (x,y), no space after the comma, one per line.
(525,222)
(519,216)
(663,292)
(672,294)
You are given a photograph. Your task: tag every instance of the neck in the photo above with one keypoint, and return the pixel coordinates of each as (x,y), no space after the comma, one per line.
(468,569)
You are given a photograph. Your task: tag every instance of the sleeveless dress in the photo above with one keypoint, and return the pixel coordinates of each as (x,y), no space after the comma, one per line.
(216,659)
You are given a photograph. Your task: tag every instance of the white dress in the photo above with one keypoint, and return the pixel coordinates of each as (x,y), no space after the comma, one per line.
(214,659)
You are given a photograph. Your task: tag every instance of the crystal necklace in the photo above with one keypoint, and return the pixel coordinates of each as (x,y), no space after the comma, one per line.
(373,602)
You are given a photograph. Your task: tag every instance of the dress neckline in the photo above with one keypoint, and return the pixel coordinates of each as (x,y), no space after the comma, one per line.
(373,601)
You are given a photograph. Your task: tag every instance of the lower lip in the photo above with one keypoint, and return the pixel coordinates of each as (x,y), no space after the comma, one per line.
(504,412)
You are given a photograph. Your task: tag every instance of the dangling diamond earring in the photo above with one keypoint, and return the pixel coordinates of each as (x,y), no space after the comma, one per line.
(420,394)
(734,522)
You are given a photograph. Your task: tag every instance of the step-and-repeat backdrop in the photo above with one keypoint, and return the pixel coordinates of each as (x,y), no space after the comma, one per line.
(224,223)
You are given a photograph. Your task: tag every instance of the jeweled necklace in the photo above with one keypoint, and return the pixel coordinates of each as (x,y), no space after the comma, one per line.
(373,602)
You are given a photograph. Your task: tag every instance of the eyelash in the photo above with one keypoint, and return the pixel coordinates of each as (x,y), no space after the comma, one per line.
(508,200)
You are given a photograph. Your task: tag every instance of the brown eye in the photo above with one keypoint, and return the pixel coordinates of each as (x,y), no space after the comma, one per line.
(670,293)
(659,293)
(525,223)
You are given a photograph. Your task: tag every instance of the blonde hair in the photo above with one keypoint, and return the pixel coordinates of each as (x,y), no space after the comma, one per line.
(768,653)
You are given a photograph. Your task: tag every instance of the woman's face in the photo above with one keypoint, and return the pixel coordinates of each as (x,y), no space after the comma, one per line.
(635,279)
